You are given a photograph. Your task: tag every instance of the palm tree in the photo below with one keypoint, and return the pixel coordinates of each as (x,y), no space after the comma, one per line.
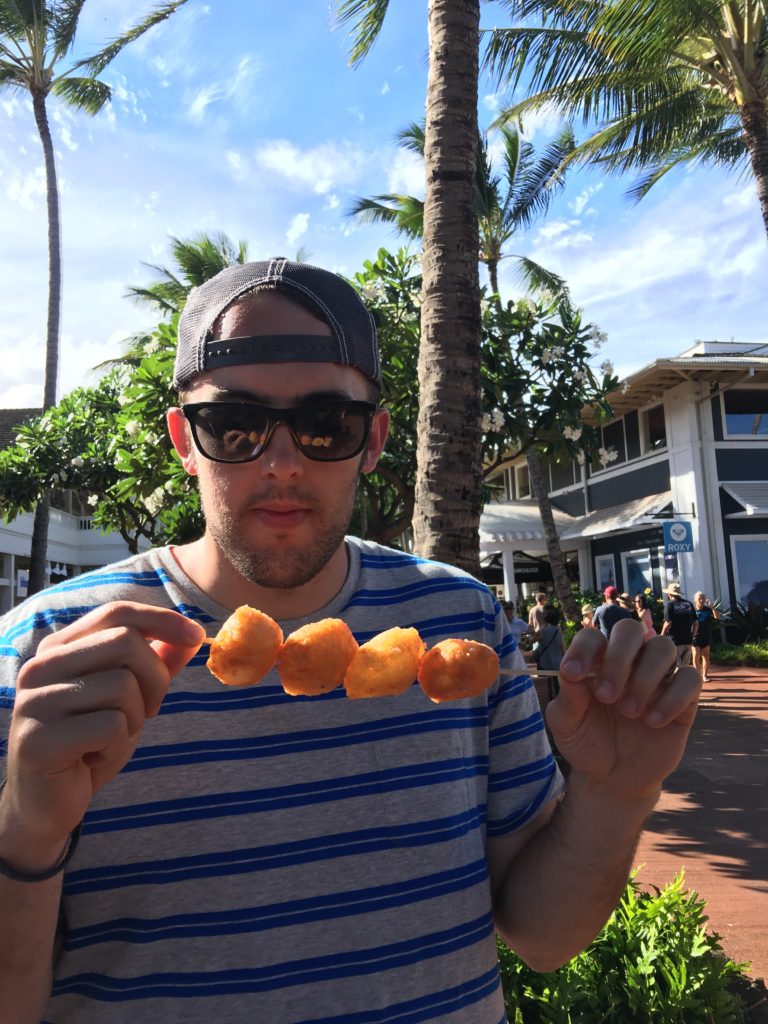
(197,260)
(668,81)
(449,454)
(35,38)
(504,203)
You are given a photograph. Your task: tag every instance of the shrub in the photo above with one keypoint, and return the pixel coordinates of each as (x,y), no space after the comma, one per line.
(653,963)
(748,654)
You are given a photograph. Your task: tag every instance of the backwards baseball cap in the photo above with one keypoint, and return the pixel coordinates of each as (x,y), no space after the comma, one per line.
(353,333)
(610,592)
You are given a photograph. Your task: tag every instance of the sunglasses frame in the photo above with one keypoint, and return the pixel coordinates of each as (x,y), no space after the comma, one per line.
(276,416)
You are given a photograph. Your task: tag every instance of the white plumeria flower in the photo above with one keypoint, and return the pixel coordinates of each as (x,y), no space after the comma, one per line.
(93,500)
(152,346)
(132,428)
(78,462)
(558,352)
(606,455)
(153,440)
(607,367)
(580,376)
(581,458)
(546,357)
(572,433)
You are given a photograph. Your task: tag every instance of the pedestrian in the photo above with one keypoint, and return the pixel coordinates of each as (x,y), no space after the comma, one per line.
(680,622)
(536,613)
(549,647)
(610,612)
(626,602)
(706,616)
(587,616)
(518,627)
(175,850)
(644,615)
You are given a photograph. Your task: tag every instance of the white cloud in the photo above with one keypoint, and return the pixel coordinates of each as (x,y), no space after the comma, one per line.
(66,137)
(384,89)
(491,102)
(580,203)
(406,174)
(742,199)
(320,168)
(297,228)
(555,228)
(237,90)
(332,202)
(28,190)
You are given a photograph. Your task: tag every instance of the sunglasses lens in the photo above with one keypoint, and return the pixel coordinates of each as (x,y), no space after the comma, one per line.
(231,433)
(329,431)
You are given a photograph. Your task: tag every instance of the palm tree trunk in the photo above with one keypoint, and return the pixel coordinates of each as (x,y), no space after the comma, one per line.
(541,494)
(754,120)
(39,543)
(449,453)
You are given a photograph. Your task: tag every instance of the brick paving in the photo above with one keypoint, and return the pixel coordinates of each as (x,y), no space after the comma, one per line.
(712,819)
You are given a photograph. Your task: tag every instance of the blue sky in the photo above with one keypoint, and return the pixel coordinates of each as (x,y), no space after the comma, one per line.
(245,117)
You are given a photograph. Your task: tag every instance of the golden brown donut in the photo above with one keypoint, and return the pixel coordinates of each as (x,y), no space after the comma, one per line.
(315,657)
(245,647)
(454,669)
(385,665)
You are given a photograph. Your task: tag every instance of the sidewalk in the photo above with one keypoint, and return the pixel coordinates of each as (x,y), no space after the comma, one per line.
(712,818)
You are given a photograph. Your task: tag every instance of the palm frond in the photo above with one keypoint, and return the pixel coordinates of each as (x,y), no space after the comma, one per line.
(12,78)
(540,281)
(542,179)
(87,94)
(405,213)
(66,15)
(95,65)
(412,137)
(367,17)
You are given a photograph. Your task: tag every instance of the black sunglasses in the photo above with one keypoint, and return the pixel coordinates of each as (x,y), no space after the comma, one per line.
(324,429)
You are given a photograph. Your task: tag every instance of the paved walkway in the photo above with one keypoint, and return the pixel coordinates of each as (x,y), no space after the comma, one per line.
(712,818)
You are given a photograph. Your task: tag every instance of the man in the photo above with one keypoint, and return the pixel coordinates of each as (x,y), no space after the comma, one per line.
(680,622)
(536,615)
(247,856)
(610,612)
(517,626)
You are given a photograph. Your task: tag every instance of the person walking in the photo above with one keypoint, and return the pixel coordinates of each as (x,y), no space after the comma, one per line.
(610,612)
(644,615)
(518,627)
(550,645)
(706,616)
(536,614)
(680,622)
(588,616)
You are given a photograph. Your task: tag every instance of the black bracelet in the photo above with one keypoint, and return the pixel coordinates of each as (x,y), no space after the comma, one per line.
(41,876)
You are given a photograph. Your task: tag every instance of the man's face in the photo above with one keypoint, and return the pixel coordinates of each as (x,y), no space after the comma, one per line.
(279,519)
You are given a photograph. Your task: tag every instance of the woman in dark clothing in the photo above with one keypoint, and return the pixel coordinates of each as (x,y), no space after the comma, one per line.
(706,615)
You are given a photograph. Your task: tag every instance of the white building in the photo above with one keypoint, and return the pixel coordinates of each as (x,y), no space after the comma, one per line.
(691,437)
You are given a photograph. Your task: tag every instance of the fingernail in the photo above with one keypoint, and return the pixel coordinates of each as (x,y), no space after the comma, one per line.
(605,691)
(573,667)
(191,631)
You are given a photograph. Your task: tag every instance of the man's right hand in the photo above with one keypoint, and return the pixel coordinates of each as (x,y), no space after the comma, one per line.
(81,703)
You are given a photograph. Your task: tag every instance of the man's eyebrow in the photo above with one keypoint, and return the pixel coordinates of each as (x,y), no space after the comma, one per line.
(235,394)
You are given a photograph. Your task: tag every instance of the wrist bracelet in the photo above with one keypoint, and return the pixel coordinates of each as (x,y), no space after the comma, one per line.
(41,876)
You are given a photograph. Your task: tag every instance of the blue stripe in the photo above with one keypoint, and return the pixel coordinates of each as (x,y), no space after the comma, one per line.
(509,688)
(219,805)
(277,856)
(270,977)
(7,696)
(433,1007)
(327,907)
(429,721)
(388,561)
(514,731)
(422,588)
(521,774)
(502,826)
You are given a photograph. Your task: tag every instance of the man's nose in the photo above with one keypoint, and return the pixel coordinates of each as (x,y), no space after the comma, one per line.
(281,457)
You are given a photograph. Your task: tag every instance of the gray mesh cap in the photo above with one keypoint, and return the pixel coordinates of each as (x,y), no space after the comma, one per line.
(353,334)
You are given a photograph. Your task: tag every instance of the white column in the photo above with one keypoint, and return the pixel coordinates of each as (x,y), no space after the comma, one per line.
(508,564)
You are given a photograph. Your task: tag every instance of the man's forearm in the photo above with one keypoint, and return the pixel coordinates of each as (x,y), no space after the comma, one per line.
(564,884)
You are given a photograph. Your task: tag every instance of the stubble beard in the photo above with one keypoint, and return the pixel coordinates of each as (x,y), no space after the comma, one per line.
(281,565)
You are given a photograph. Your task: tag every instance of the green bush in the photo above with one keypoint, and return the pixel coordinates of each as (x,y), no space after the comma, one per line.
(653,963)
(746,654)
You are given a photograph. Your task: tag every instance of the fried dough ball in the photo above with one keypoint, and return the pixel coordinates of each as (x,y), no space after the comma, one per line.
(453,669)
(245,647)
(385,665)
(315,657)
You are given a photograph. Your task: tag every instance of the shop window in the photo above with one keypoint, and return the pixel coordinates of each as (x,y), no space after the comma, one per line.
(750,569)
(746,412)
(653,429)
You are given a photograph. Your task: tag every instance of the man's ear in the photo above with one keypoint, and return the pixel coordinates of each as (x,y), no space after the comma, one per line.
(181,436)
(376,440)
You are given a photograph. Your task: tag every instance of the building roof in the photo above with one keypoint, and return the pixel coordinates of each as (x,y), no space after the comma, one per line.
(514,522)
(648,385)
(11,420)
(752,495)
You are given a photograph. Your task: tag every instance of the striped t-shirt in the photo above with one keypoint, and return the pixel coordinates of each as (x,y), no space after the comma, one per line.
(266,859)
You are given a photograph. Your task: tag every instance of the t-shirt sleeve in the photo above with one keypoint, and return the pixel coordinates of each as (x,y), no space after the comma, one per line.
(523,774)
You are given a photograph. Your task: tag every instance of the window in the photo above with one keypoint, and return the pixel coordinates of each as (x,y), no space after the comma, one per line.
(522,483)
(653,429)
(605,572)
(750,569)
(509,484)
(562,475)
(746,412)
(613,437)
(637,571)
